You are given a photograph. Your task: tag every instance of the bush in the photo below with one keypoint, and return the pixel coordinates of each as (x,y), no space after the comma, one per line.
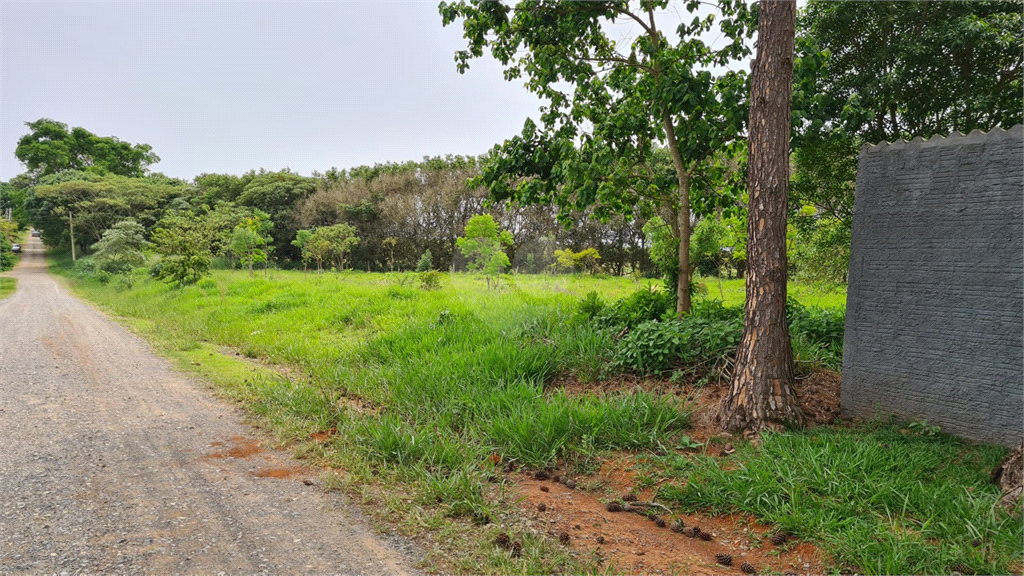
(697,343)
(641,306)
(430,280)
(84,267)
(590,306)
(103,276)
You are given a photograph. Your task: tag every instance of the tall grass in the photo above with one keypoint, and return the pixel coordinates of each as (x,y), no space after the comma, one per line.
(882,499)
(7,287)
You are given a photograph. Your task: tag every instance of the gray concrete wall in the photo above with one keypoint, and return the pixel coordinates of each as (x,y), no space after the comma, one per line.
(934,323)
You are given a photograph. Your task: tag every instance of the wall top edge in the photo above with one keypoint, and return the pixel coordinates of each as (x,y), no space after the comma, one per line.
(954,139)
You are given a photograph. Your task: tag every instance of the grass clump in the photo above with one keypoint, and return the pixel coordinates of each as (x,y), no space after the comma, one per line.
(7,287)
(881,499)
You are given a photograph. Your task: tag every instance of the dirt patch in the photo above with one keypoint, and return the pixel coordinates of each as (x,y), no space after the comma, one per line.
(633,543)
(321,437)
(275,472)
(236,447)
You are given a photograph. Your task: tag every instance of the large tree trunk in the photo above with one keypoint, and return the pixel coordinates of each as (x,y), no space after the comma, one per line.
(682,224)
(762,394)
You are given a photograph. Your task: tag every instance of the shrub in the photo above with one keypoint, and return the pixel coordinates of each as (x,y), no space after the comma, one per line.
(590,306)
(641,306)
(698,343)
(120,248)
(103,276)
(430,280)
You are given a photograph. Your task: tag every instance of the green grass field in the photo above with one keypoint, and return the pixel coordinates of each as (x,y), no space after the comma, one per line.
(7,287)
(423,385)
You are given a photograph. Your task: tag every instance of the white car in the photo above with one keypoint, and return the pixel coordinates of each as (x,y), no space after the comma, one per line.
(15,247)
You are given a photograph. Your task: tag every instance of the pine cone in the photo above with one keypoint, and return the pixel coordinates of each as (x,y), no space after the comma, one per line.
(678,526)
(542,507)
(563,537)
(629,497)
(570,483)
(541,475)
(600,539)
(613,507)
(692,531)
(543,488)
(503,541)
(705,536)
(779,538)
(723,559)
(748,568)
(659,522)
(517,549)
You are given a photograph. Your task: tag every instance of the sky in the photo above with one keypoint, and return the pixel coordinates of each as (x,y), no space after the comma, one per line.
(225,87)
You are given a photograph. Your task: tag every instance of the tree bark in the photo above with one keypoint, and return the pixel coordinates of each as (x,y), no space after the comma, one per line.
(682,219)
(1009,476)
(761,394)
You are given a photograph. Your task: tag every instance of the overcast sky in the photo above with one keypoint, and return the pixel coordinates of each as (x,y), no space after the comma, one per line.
(231,86)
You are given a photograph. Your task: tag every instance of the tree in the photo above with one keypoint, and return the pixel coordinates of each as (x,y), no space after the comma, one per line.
(302,238)
(51,148)
(761,393)
(249,239)
(482,245)
(120,248)
(186,252)
(613,109)
(333,242)
(426,262)
(586,259)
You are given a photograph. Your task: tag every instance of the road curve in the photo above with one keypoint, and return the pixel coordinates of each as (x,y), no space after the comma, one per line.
(112,462)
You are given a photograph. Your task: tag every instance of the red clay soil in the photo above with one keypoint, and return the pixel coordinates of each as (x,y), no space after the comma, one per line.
(236,447)
(633,544)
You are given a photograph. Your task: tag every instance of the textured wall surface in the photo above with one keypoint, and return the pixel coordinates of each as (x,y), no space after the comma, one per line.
(934,324)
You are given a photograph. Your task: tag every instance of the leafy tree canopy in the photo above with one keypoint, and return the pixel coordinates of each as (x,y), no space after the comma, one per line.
(120,248)
(611,105)
(51,147)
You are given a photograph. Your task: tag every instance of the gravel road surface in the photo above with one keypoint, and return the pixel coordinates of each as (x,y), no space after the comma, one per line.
(112,462)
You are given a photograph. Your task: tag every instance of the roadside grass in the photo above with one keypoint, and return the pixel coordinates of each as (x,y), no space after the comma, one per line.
(424,395)
(7,287)
(879,497)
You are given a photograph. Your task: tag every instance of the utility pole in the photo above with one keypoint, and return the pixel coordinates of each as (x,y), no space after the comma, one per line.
(71,225)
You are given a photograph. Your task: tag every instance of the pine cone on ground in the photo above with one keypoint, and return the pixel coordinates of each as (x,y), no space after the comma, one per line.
(659,522)
(723,559)
(779,538)
(563,537)
(541,475)
(705,536)
(517,549)
(748,568)
(544,488)
(613,507)
(629,497)
(542,507)
(692,531)
(503,541)
(678,526)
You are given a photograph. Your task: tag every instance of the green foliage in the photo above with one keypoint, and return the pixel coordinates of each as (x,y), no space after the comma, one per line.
(664,251)
(627,126)
(121,247)
(186,255)
(249,240)
(13,198)
(430,280)
(590,305)
(698,343)
(51,148)
(426,262)
(8,235)
(822,252)
(878,500)
(709,238)
(644,305)
(586,259)
(483,246)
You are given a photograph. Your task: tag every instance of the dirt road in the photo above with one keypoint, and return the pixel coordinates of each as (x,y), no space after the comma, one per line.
(112,462)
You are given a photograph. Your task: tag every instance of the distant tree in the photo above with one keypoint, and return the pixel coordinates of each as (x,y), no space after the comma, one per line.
(249,241)
(302,238)
(13,198)
(426,262)
(328,243)
(51,147)
(483,246)
(121,247)
(276,194)
(586,259)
